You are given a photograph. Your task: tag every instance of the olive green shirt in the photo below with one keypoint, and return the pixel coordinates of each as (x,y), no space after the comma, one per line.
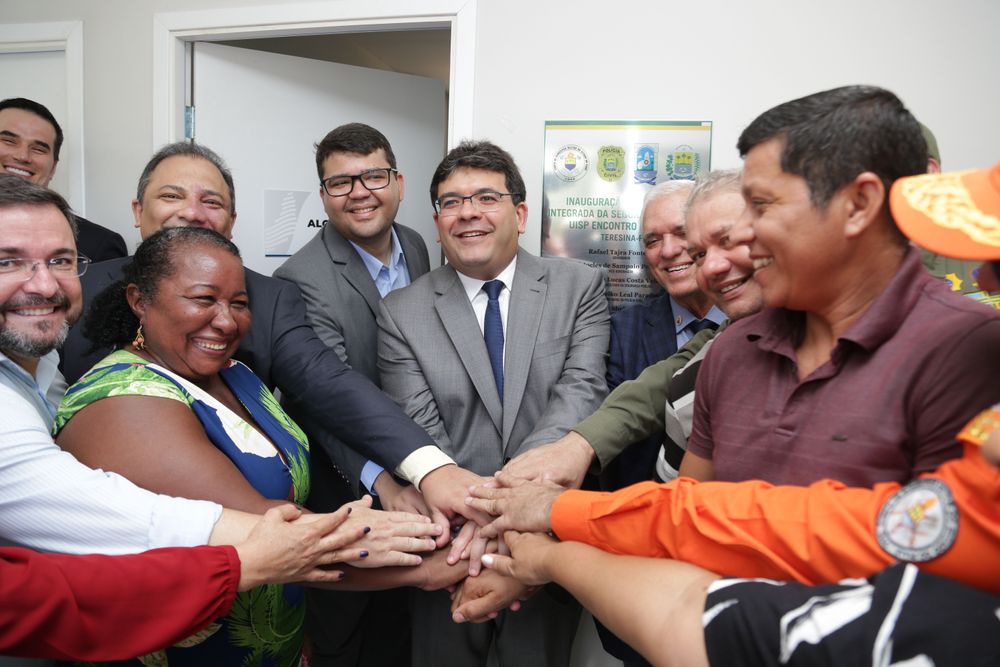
(635,409)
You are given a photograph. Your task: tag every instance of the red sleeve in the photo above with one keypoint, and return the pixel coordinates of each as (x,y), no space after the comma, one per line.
(111,607)
(820,533)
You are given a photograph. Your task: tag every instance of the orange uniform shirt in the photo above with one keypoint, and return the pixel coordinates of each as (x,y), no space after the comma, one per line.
(947,522)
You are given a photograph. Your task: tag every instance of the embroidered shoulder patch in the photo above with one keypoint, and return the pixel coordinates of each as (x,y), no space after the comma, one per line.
(919,522)
(981,426)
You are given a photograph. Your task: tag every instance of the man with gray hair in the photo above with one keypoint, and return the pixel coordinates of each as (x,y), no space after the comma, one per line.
(641,336)
(638,408)
(656,328)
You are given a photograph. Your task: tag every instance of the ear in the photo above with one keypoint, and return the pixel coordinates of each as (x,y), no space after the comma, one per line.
(55,165)
(134,298)
(399,180)
(521,211)
(136,211)
(437,225)
(863,202)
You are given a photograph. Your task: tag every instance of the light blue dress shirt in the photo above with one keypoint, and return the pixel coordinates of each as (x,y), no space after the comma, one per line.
(683,318)
(387,278)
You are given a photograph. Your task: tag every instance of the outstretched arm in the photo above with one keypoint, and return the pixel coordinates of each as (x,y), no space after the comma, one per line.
(75,607)
(815,534)
(654,605)
(633,411)
(331,394)
(445,487)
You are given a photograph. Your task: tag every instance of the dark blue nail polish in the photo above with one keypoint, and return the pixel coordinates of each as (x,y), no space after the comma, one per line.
(364,554)
(368,529)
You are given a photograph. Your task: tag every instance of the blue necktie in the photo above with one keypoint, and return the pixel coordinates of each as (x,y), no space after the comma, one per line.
(493,331)
(700,325)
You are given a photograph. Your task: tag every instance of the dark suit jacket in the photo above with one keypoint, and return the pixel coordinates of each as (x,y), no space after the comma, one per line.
(98,243)
(285,352)
(341,305)
(641,335)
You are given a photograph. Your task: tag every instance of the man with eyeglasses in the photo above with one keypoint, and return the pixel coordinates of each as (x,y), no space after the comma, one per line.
(343,272)
(493,354)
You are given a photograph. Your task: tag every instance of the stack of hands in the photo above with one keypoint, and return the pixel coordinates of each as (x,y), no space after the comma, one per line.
(484,539)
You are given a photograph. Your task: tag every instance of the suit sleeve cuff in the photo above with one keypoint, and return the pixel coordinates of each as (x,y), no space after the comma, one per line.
(369,473)
(420,462)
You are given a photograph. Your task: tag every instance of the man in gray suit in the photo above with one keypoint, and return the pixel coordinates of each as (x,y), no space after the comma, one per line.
(495,353)
(343,273)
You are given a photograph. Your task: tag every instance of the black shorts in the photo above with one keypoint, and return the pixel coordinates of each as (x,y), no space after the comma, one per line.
(900,614)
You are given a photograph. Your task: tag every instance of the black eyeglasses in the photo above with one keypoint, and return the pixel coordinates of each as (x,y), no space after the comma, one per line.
(372,179)
(22,269)
(450,206)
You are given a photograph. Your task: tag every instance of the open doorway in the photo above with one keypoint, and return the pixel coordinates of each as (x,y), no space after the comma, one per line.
(419,31)
(263,108)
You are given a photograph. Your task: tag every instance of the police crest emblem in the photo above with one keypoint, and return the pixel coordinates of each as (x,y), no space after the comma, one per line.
(645,163)
(610,163)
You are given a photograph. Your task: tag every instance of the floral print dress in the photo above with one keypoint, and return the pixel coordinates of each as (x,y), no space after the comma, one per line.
(265,625)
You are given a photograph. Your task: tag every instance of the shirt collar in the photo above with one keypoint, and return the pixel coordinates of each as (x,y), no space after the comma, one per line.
(684,317)
(474,285)
(47,365)
(396,258)
(780,330)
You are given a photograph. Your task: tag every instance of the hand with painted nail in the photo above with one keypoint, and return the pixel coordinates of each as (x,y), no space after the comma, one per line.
(282,548)
(390,538)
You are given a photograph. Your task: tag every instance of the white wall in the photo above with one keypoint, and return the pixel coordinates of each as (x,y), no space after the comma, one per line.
(727,61)
(724,61)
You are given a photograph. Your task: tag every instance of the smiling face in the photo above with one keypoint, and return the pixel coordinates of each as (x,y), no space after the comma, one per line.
(363,216)
(796,247)
(27,145)
(185,191)
(665,240)
(477,244)
(35,314)
(199,314)
(717,242)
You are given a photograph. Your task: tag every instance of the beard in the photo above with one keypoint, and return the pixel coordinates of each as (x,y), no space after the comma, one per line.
(21,344)
(39,340)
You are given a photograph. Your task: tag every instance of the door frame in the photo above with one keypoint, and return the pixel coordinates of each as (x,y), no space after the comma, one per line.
(65,36)
(173,30)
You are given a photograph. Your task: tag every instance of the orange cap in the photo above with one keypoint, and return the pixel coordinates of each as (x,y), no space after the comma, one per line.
(954,214)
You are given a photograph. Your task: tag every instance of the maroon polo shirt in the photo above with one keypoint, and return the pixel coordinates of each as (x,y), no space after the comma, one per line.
(899,385)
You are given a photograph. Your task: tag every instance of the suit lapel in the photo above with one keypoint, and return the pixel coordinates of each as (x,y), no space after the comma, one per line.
(353,268)
(659,338)
(524,315)
(416,262)
(459,321)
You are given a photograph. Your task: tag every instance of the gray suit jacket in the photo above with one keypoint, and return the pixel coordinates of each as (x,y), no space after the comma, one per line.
(433,361)
(341,305)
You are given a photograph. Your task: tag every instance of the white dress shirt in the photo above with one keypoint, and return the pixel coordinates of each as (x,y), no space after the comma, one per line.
(479,300)
(51,502)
